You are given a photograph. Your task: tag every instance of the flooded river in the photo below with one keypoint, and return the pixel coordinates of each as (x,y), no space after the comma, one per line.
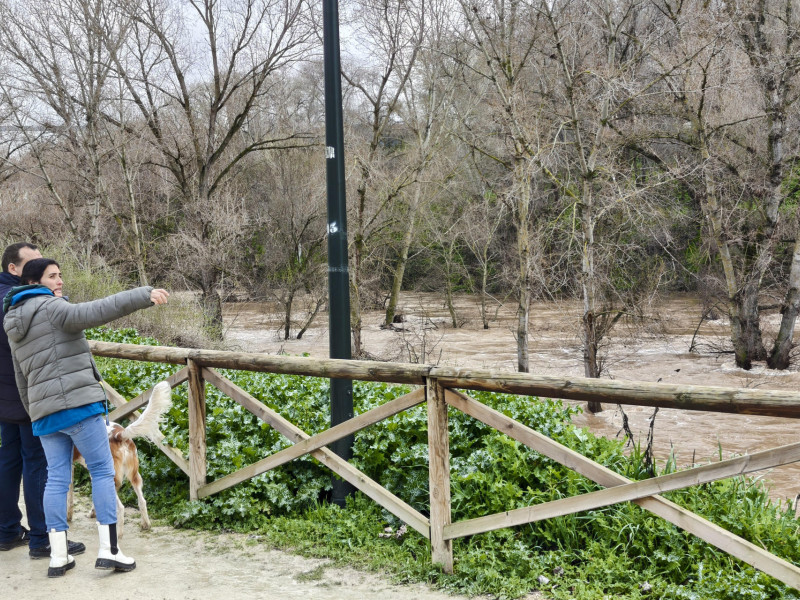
(657,350)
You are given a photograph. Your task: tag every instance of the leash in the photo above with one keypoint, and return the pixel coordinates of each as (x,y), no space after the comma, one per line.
(102,387)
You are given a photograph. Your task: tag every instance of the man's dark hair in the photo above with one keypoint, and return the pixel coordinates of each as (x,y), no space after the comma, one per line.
(11,254)
(34,269)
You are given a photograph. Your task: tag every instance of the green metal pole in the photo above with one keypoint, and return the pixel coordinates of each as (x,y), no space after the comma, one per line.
(338,274)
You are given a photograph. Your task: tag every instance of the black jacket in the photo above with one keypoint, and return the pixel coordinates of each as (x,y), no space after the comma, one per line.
(11,409)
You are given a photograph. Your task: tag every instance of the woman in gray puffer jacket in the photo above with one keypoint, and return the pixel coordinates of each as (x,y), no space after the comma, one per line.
(59,385)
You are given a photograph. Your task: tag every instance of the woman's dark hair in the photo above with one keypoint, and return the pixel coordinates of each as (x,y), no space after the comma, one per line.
(34,269)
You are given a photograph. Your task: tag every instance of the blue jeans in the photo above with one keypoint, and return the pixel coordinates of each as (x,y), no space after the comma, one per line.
(22,459)
(90,437)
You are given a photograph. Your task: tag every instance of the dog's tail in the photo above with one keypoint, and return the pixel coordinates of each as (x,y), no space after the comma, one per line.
(147,424)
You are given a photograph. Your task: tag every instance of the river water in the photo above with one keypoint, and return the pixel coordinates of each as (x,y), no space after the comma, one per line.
(656,350)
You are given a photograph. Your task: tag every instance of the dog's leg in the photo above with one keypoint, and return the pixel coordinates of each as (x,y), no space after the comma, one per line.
(136,482)
(120,516)
(81,462)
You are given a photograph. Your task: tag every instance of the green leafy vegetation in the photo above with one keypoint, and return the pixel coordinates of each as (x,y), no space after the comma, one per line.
(620,552)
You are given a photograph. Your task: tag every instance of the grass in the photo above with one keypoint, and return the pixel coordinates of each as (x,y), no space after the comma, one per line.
(316,574)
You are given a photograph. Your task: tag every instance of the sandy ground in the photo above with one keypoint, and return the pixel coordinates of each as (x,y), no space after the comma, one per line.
(188,565)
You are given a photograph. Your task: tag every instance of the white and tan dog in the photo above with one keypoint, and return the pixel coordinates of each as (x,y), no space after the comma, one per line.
(123,450)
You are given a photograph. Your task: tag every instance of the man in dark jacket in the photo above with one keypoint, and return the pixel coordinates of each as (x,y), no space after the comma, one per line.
(21,456)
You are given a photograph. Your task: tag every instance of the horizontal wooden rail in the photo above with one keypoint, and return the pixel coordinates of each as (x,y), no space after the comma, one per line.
(638,393)
(363,370)
(662,395)
(628,492)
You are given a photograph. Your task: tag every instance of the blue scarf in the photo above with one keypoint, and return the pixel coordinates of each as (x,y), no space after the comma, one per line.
(19,294)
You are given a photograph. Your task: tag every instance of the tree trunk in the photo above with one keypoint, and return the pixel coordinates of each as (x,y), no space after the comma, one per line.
(355,301)
(450,306)
(750,323)
(287,315)
(484,276)
(212,311)
(141,270)
(712,213)
(448,284)
(400,268)
(522,189)
(523,319)
(94,211)
(779,357)
(359,247)
(134,235)
(311,317)
(590,363)
(591,367)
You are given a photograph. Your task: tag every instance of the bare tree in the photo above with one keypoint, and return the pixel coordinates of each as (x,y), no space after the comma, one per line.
(295,236)
(731,98)
(130,158)
(197,110)
(428,153)
(59,83)
(481,223)
(497,69)
(769,32)
(595,55)
(390,35)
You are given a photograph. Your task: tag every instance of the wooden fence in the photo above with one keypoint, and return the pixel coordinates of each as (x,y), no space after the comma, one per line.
(439,388)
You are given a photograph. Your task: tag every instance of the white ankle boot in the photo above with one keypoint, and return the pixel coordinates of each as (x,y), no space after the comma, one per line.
(60,560)
(110,556)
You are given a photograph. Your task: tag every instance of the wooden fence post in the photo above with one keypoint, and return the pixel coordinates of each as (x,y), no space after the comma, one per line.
(197,429)
(439,474)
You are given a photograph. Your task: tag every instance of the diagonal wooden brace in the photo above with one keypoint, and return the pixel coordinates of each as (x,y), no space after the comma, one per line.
(683,518)
(305,444)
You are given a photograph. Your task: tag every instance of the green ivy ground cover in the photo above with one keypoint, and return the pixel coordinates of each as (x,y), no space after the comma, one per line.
(619,552)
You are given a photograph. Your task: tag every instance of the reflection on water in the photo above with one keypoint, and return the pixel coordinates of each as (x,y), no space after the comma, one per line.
(656,350)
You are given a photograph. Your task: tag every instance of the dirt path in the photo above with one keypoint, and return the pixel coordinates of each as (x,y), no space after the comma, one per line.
(188,565)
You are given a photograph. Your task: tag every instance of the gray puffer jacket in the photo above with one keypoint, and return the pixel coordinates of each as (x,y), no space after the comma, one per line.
(53,365)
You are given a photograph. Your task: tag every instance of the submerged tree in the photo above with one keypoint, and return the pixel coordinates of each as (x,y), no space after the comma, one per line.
(499,69)
(390,34)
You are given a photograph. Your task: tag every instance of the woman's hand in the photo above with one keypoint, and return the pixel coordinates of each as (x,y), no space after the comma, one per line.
(159,296)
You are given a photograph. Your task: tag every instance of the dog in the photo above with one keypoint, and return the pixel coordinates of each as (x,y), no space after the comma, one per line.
(123,451)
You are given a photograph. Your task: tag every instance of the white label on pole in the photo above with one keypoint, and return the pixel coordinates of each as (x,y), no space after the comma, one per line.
(333,227)
(330,152)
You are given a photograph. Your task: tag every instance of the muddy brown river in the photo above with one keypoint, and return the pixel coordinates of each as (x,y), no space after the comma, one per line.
(657,350)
